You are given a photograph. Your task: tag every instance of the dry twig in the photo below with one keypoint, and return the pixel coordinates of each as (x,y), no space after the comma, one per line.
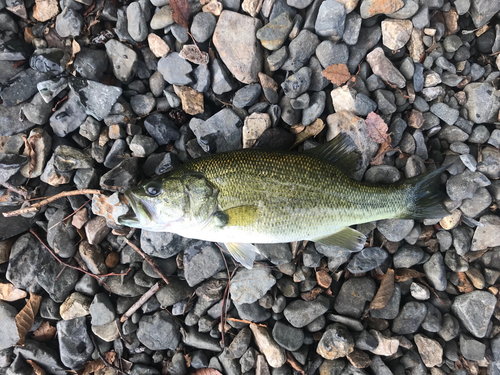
(140,302)
(48,200)
(148,259)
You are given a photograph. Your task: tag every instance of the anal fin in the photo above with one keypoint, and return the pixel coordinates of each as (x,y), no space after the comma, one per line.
(243,253)
(347,238)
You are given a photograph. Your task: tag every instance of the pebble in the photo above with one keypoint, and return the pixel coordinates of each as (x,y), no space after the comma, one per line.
(235,41)
(73,334)
(329,53)
(249,285)
(435,272)
(367,259)
(336,342)
(477,95)
(396,33)
(288,337)
(474,310)
(430,351)
(254,126)
(275,355)
(486,236)
(201,261)
(162,18)
(10,334)
(330,22)
(136,22)
(247,95)
(298,83)
(445,113)
(409,318)
(175,69)
(90,63)
(383,67)
(69,23)
(101,310)
(123,59)
(300,50)
(395,229)
(300,313)
(203,26)
(161,128)
(158,331)
(353,296)
(274,33)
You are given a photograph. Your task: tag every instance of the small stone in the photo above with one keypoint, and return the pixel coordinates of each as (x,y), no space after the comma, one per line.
(300,313)
(472,350)
(235,41)
(73,334)
(396,33)
(247,95)
(102,310)
(329,53)
(407,256)
(192,53)
(142,146)
(90,63)
(353,296)
(158,331)
(203,26)
(419,291)
(249,285)
(192,100)
(395,229)
(330,22)
(445,113)
(367,259)
(336,342)
(435,272)
(44,10)
(383,67)
(201,261)
(410,318)
(254,126)
(75,306)
(300,50)
(121,177)
(275,355)
(162,18)
(274,33)
(158,46)
(143,105)
(69,23)
(474,310)
(370,8)
(276,59)
(124,60)
(240,344)
(9,336)
(288,337)
(386,346)
(315,108)
(222,80)
(430,351)
(93,258)
(37,111)
(137,26)
(161,128)
(482,103)
(67,158)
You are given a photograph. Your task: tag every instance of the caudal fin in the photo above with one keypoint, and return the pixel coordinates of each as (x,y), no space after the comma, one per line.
(426,199)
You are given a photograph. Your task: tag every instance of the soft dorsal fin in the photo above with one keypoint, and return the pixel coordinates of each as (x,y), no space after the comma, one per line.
(346,238)
(340,151)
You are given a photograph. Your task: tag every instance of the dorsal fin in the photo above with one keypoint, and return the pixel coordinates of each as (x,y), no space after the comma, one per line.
(340,151)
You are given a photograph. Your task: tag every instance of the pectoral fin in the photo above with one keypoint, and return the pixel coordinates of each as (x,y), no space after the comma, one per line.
(242,252)
(346,238)
(241,215)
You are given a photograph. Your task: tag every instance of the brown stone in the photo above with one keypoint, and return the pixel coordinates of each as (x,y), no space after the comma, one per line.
(214,7)
(383,67)
(416,119)
(251,7)
(254,126)
(396,33)
(93,258)
(370,8)
(416,45)
(158,46)
(192,53)
(430,351)
(240,50)
(359,359)
(192,100)
(44,10)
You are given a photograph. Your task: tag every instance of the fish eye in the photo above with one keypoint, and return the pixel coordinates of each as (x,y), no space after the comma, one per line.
(152,189)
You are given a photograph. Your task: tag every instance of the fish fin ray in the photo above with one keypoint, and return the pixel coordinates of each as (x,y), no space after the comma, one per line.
(346,238)
(340,151)
(242,252)
(241,215)
(427,198)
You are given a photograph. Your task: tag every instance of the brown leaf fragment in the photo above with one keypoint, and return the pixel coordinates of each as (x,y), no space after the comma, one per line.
(25,318)
(465,285)
(377,128)
(37,369)
(338,74)
(295,365)
(91,367)
(324,279)
(181,12)
(10,293)
(384,292)
(45,332)
(312,294)
(206,371)
(310,131)
(385,147)
(404,274)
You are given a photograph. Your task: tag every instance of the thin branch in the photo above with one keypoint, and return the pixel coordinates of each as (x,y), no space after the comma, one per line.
(246,322)
(140,302)
(97,277)
(53,198)
(148,259)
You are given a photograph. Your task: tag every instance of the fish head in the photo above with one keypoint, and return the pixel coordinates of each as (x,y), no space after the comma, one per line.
(156,204)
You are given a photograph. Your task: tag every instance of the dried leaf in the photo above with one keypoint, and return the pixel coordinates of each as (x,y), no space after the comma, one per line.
(37,369)
(26,317)
(181,12)
(45,332)
(384,292)
(338,74)
(378,159)
(404,274)
(75,48)
(98,364)
(206,371)
(310,131)
(465,286)
(9,293)
(324,279)
(377,128)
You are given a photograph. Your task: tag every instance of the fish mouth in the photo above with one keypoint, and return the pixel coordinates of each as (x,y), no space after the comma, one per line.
(138,215)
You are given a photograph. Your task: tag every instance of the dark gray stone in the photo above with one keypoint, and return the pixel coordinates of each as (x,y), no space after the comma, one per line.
(300,50)
(158,331)
(9,336)
(69,116)
(330,22)
(367,259)
(300,313)
(162,244)
(353,296)
(410,318)
(75,345)
(203,26)
(247,95)
(474,310)
(249,285)
(22,87)
(201,261)
(102,310)
(288,337)
(91,63)
(435,272)
(69,23)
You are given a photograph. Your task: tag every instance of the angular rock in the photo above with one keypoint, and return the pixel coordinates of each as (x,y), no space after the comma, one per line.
(158,331)
(474,310)
(75,345)
(383,67)
(249,285)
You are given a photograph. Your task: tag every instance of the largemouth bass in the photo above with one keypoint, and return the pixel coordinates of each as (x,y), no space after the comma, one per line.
(254,196)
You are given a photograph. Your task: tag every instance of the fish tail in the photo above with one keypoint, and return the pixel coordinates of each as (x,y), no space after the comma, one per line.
(425,199)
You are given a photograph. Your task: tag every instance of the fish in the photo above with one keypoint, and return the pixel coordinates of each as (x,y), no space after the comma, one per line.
(254,196)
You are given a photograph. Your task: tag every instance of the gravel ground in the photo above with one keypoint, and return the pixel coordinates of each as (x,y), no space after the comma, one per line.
(103,94)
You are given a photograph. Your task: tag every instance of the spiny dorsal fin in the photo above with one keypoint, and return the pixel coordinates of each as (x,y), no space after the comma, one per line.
(347,238)
(340,151)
